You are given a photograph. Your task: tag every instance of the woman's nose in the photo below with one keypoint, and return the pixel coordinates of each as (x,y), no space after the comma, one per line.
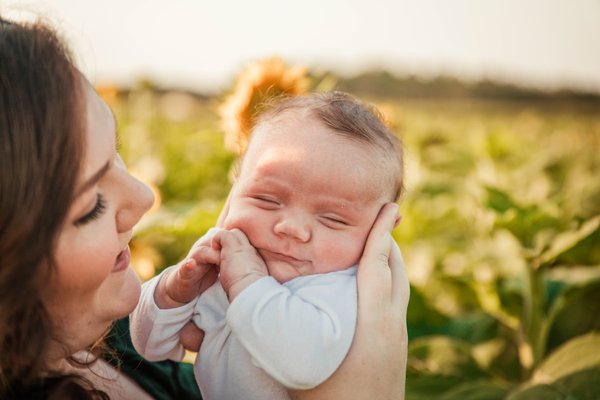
(293,226)
(137,199)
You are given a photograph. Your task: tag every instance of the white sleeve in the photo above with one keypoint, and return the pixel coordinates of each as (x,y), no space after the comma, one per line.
(155,331)
(298,334)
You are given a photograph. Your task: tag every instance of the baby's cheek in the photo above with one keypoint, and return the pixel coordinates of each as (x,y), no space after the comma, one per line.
(344,251)
(233,219)
(252,222)
(235,222)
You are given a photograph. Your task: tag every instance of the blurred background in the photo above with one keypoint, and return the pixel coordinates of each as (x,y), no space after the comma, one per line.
(200,45)
(498,106)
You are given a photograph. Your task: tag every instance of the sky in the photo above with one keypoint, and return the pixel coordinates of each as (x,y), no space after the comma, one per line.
(201,45)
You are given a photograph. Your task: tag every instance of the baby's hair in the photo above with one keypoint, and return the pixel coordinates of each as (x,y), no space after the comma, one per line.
(346,115)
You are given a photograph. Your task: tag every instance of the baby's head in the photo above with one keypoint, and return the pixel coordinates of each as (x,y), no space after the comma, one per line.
(317,171)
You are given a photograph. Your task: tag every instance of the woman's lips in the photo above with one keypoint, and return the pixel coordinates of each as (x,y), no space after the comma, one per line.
(123,260)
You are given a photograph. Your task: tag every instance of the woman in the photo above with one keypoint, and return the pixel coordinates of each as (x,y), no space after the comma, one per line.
(67,210)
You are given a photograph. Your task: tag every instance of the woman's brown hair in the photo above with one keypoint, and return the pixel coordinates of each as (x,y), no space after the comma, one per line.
(41,148)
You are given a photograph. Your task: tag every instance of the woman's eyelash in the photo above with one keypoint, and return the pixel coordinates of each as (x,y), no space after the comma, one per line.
(95,213)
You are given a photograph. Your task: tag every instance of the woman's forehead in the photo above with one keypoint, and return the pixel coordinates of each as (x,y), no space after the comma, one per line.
(100,130)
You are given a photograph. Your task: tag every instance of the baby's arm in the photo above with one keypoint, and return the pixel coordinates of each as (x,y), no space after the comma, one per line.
(299,334)
(166,305)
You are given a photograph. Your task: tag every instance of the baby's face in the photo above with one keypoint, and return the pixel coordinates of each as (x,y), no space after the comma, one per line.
(306,198)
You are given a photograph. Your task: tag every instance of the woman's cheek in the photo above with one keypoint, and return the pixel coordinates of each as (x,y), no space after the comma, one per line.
(85,261)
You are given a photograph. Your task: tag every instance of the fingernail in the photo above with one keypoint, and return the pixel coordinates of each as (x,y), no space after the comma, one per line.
(187,264)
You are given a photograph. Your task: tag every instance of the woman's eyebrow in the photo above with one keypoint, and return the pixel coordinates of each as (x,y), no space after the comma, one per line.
(93,179)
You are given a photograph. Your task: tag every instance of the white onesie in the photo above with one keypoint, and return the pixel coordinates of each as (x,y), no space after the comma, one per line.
(271,337)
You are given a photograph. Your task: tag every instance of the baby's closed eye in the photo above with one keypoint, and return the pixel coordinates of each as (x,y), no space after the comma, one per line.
(333,221)
(266,202)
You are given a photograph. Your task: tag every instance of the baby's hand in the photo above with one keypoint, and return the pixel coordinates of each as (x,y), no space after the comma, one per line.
(241,265)
(192,276)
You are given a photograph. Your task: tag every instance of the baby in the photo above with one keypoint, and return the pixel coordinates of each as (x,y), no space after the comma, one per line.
(317,171)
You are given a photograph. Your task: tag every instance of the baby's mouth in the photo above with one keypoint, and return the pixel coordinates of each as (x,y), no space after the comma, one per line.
(281,257)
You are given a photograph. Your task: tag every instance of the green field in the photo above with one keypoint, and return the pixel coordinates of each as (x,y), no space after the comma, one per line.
(500,231)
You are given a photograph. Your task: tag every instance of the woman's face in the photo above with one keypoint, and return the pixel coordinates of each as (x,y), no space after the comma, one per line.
(93,284)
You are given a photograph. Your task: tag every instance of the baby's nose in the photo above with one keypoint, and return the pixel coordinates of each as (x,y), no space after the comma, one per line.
(294,227)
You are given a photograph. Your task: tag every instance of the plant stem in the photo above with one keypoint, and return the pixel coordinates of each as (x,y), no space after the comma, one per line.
(535,335)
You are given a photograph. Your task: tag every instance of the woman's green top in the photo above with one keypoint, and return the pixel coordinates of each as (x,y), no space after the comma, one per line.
(162,379)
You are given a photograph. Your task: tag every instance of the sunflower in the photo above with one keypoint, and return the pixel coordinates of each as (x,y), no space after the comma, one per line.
(257,83)
(108,93)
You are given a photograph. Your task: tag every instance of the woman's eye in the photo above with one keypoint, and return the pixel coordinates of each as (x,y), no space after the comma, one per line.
(96,212)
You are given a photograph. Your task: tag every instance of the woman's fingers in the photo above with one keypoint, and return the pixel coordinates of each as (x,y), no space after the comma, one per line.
(374,275)
(375,367)
(400,284)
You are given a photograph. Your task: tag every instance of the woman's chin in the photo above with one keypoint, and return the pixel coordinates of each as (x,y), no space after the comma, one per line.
(131,292)
(121,303)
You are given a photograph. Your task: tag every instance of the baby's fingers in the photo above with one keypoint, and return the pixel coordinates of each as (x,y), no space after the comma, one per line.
(192,276)
(201,258)
(232,239)
(196,266)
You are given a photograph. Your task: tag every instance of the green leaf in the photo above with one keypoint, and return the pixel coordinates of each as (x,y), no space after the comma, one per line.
(422,317)
(499,201)
(473,328)
(574,313)
(423,386)
(577,354)
(529,224)
(443,355)
(564,241)
(481,390)
(586,252)
(539,392)
(582,385)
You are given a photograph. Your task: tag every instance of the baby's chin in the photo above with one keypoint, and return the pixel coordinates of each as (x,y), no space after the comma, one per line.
(282,271)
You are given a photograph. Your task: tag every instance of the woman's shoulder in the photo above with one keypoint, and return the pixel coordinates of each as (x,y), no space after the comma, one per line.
(162,380)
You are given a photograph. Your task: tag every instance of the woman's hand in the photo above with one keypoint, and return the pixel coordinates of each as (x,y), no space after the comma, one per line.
(375,367)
